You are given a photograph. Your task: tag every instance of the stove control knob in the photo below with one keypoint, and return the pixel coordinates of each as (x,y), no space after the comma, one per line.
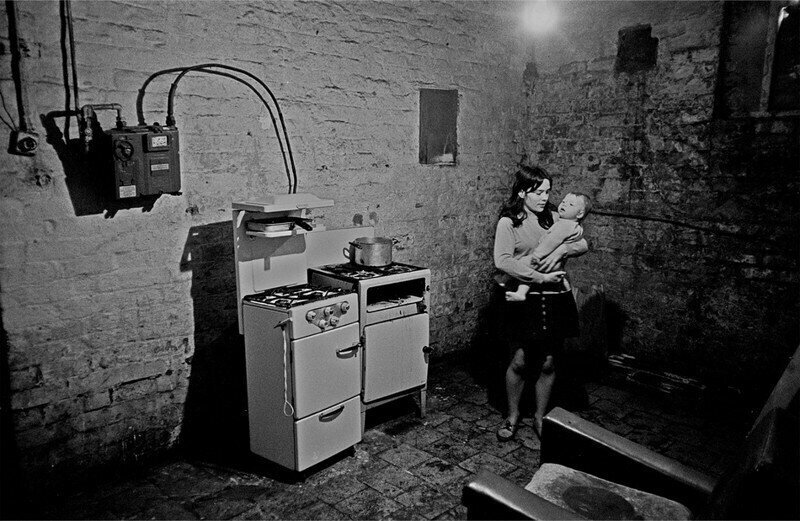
(311,315)
(328,311)
(344,306)
(322,324)
(334,321)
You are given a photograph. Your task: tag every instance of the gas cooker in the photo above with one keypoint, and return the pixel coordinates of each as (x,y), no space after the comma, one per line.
(350,271)
(285,297)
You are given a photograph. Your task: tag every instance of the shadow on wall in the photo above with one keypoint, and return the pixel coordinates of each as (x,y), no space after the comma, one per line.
(10,484)
(584,359)
(89,176)
(215,413)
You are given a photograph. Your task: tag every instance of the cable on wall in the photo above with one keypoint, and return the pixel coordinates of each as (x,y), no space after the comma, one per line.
(10,125)
(143,89)
(281,133)
(682,224)
(69,68)
(16,64)
(204,68)
(170,116)
(73,61)
(24,140)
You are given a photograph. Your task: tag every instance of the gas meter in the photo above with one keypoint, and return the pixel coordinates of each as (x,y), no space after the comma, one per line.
(146,160)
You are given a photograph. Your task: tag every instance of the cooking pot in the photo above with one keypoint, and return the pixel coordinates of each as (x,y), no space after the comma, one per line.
(370,251)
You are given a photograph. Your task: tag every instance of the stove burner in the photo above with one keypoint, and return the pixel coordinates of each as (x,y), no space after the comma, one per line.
(290,296)
(357,272)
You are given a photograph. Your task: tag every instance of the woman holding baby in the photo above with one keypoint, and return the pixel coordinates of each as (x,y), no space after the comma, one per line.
(542,313)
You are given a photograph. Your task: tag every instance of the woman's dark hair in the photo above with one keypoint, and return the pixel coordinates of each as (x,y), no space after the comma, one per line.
(526,179)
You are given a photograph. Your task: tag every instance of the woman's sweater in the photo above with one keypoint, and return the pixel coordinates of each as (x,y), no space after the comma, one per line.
(514,245)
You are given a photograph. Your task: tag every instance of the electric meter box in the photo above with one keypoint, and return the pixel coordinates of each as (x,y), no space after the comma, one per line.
(146,161)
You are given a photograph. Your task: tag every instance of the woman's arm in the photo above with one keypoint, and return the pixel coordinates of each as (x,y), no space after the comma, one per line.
(504,258)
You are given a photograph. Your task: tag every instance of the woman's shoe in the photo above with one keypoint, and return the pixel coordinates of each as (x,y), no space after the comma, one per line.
(507,431)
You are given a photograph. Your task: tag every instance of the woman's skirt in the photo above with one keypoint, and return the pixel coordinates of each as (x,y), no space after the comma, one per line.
(540,324)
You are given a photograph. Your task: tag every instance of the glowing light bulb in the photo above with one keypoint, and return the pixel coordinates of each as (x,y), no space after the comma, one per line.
(539,16)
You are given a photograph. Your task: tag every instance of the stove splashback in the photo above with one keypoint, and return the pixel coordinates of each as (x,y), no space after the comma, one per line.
(269,262)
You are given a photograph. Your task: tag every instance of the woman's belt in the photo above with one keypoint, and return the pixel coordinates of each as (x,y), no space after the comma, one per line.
(554,288)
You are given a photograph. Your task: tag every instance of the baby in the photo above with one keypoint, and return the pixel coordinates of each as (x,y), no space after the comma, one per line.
(571,212)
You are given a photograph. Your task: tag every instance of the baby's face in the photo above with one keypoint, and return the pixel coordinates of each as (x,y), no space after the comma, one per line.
(572,207)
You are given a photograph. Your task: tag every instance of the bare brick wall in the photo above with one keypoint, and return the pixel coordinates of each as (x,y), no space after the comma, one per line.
(695,234)
(121,322)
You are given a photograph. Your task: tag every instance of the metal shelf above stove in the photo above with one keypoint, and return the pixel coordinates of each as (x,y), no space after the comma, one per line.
(280,203)
(282,233)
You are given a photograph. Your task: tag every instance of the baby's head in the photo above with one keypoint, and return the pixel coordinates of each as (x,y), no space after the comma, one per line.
(575,206)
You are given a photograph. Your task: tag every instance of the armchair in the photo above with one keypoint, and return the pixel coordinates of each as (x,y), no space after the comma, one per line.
(589,472)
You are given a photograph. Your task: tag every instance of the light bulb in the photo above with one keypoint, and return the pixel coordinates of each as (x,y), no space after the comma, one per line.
(539,16)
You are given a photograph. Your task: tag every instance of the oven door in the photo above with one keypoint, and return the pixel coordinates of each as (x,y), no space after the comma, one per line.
(394,360)
(325,369)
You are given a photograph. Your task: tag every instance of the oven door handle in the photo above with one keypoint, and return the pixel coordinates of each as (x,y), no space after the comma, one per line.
(327,416)
(347,350)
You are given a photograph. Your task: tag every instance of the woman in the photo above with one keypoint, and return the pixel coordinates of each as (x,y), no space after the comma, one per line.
(539,324)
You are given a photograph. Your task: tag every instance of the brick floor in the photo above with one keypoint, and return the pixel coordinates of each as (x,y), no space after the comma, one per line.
(406,467)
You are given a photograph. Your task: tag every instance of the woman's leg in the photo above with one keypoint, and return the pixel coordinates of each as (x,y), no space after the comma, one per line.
(544,388)
(515,383)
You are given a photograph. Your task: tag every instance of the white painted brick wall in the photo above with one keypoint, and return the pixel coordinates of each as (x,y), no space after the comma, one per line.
(102,311)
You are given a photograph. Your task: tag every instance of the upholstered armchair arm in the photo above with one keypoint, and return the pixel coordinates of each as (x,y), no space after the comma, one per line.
(489,496)
(574,442)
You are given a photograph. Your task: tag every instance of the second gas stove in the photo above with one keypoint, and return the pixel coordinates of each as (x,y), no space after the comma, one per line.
(353,272)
